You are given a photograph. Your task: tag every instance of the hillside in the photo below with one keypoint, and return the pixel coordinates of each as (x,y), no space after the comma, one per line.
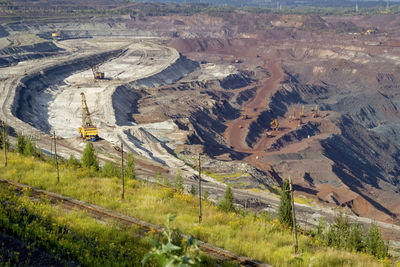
(260,237)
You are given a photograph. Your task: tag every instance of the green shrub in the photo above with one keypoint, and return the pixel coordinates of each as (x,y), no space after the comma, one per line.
(375,244)
(192,190)
(89,159)
(110,169)
(226,204)
(73,162)
(179,181)
(340,231)
(21,143)
(29,149)
(172,252)
(285,206)
(355,240)
(129,169)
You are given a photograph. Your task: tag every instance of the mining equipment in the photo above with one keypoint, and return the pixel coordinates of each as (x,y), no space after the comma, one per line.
(244,117)
(315,112)
(293,117)
(237,60)
(240,126)
(269,134)
(56,35)
(274,125)
(370,31)
(98,75)
(88,131)
(302,115)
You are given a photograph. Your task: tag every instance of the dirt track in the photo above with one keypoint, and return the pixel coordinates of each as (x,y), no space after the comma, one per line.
(237,130)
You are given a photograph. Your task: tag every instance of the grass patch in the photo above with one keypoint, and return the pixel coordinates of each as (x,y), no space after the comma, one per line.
(250,235)
(221,177)
(73,236)
(303,200)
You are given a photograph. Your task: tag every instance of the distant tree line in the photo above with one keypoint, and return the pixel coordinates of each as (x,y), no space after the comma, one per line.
(214,8)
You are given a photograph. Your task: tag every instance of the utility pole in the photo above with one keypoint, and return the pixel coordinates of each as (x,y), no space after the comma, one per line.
(122,171)
(199,189)
(294,217)
(55,156)
(5,144)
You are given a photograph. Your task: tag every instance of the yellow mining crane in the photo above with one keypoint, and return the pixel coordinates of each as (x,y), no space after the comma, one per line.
(88,131)
(98,75)
(274,125)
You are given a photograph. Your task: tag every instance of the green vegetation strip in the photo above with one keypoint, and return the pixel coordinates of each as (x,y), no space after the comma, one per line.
(73,235)
(259,237)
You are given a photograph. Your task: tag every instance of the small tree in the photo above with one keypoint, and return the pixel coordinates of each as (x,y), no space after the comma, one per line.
(110,170)
(129,169)
(21,143)
(374,243)
(179,181)
(29,149)
(226,204)
(355,240)
(2,141)
(89,159)
(285,206)
(73,162)
(341,230)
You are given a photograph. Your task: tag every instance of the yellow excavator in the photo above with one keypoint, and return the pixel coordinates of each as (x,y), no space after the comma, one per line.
(88,131)
(56,35)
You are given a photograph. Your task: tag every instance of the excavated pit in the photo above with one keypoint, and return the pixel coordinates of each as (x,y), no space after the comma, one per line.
(36,91)
(348,154)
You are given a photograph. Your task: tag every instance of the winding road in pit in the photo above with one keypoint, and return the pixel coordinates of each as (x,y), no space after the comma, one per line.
(237,130)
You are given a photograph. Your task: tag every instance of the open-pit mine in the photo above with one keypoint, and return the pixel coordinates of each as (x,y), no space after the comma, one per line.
(262,97)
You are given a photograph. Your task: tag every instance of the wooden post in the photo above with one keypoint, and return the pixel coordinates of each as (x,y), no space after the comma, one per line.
(5,144)
(199,190)
(294,218)
(122,171)
(55,156)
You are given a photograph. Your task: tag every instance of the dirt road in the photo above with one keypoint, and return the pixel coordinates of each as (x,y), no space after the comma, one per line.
(238,129)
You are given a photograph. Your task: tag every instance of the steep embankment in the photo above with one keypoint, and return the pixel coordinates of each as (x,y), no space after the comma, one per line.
(13,55)
(358,152)
(35,91)
(125,97)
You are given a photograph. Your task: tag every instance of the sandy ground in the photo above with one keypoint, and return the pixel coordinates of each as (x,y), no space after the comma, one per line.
(132,66)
